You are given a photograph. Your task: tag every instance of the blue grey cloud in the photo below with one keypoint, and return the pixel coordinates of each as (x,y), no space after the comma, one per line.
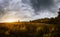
(28,9)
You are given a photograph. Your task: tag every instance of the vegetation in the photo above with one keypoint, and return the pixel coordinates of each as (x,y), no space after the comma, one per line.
(29,30)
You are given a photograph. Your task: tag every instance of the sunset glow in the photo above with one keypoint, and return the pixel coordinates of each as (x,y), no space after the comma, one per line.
(10,20)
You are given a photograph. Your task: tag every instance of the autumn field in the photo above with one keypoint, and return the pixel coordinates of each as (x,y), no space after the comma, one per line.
(21,29)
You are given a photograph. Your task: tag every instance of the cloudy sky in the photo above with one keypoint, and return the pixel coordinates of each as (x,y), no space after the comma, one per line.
(26,10)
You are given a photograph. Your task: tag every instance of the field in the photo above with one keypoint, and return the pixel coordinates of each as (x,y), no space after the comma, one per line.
(26,29)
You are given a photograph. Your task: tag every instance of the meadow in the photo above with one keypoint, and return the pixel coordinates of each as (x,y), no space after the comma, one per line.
(27,29)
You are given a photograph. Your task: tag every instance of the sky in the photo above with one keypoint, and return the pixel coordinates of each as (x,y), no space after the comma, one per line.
(26,10)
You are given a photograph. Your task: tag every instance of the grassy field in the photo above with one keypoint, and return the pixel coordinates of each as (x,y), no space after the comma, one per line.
(23,29)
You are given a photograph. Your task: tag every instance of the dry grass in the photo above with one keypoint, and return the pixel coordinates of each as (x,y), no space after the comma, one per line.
(29,30)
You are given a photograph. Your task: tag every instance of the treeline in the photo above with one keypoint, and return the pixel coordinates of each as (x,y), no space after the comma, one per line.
(55,20)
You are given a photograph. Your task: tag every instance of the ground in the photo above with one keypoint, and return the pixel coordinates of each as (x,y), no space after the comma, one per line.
(24,29)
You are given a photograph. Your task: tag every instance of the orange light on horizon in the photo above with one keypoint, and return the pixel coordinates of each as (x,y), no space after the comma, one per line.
(10,20)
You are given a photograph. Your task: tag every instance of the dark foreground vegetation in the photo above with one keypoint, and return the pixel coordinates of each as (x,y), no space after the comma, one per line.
(29,30)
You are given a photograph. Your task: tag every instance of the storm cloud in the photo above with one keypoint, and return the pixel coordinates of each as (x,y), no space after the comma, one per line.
(26,10)
(42,4)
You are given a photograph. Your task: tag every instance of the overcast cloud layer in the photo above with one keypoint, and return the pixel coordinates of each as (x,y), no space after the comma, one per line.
(26,10)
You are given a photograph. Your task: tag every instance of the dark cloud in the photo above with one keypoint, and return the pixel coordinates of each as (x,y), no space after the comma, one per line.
(42,4)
